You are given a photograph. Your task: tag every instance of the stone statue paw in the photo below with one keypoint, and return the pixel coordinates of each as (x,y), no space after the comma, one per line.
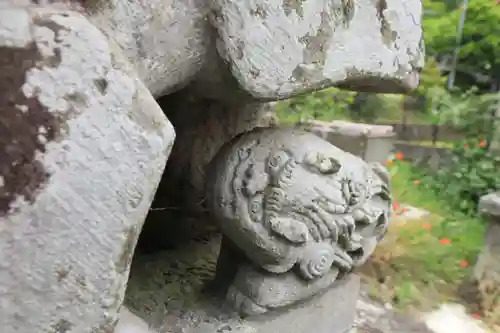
(242,303)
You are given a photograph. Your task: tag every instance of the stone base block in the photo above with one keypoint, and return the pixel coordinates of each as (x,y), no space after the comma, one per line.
(166,289)
(487,269)
(332,312)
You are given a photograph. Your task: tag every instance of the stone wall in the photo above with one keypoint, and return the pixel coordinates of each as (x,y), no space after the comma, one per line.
(373,143)
(376,143)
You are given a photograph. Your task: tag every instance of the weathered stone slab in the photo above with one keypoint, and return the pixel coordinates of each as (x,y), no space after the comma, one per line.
(299,45)
(373,143)
(279,48)
(82,148)
(167,41)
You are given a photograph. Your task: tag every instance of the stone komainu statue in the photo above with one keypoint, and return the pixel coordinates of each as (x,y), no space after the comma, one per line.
(90,95)
(289,199)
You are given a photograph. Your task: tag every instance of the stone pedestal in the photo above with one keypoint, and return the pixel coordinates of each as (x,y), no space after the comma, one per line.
(373,143)
(298,215)
(488,264)
(332,312)
(168,291)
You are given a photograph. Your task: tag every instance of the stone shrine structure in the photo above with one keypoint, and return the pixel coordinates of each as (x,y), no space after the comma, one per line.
(108,106)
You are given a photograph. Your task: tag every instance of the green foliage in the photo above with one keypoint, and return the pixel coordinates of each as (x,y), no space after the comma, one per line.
(468,111)
(334,104)
(480,46)
(327,105)
(431,83)
(428,258)
(474,170)
(367,106)
(430,77)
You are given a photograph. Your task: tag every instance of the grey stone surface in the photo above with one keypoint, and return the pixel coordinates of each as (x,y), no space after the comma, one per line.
(88,143)
(300,209)
(373,143)
(331,312)
(82,148)
(487,268)
(170,291)
(131,323)
(202,126)
(490,205)
(317,43)
(486,274)
(313,43)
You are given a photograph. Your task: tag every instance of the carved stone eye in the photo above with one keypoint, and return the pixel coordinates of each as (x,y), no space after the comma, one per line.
(323,164)
(329,166)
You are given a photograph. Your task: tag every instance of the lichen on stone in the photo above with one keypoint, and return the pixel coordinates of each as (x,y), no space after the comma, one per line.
(293,5)
(388,35)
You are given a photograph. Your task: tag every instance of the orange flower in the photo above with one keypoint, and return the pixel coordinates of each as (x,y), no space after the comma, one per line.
(483,143)
(427,226)
(445,241)
(389,162)
(399,156)
(464,263)
(416,182)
